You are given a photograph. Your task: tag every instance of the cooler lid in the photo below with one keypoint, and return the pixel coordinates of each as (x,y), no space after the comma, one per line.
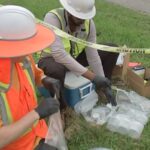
(73,81)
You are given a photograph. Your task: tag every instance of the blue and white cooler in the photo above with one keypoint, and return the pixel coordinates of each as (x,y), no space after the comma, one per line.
(76,88)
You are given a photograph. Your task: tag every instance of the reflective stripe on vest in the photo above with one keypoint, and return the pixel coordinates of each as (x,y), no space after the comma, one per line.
(29,74)
(71,47)
(4,86)
(4,107)
(5,110)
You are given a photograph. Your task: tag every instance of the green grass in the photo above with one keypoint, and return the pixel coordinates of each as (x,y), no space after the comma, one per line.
(121,25)
(114,24)
(38,7)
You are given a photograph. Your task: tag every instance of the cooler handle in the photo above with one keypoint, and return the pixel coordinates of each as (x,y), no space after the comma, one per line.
(82,89)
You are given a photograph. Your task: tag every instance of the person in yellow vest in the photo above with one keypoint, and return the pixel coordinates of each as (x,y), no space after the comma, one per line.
(21,118)
(76,19)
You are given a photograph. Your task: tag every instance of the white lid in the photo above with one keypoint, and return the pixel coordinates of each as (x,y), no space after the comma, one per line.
(17,23)
(73,81)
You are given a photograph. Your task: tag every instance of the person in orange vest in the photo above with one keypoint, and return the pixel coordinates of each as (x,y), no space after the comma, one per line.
(21,118)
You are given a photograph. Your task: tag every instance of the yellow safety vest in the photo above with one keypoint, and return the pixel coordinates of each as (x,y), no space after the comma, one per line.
(78,48)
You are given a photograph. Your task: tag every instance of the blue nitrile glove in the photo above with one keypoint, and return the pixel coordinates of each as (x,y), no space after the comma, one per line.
(47,107)
(104,84)
(52,85)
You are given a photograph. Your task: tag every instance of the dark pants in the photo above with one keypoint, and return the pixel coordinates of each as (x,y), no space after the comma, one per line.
(108,61)
(56,70)
(44,146)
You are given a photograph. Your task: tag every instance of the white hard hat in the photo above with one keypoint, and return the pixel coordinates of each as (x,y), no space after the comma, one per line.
(83,9)
(16,23)
(20,35)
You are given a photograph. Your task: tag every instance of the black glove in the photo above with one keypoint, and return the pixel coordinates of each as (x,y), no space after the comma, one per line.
(101,82)
(104,84)
(47,107)
(110,97)
(52,85)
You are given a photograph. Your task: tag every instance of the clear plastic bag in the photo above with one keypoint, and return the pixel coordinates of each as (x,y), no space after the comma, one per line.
(122,97)
(139,102)
(55,136)
(133,113)
(142,102)
(100,114)
(87,117)
(86,104)
(123,124)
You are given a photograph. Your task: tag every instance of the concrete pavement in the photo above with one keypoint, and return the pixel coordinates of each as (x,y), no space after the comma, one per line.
(139,5)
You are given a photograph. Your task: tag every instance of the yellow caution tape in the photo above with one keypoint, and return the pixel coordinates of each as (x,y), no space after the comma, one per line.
(123,49)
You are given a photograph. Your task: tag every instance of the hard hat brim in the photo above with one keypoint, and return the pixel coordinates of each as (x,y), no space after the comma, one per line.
(88,15)
(42,39)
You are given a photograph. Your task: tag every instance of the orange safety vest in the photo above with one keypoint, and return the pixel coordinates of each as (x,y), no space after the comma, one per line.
(16,104)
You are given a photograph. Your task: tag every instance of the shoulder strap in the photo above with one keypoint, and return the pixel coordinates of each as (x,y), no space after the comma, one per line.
(60,15)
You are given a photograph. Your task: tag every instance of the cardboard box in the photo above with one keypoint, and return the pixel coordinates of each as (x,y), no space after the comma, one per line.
(132,79)
(138,83)
(120,71)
